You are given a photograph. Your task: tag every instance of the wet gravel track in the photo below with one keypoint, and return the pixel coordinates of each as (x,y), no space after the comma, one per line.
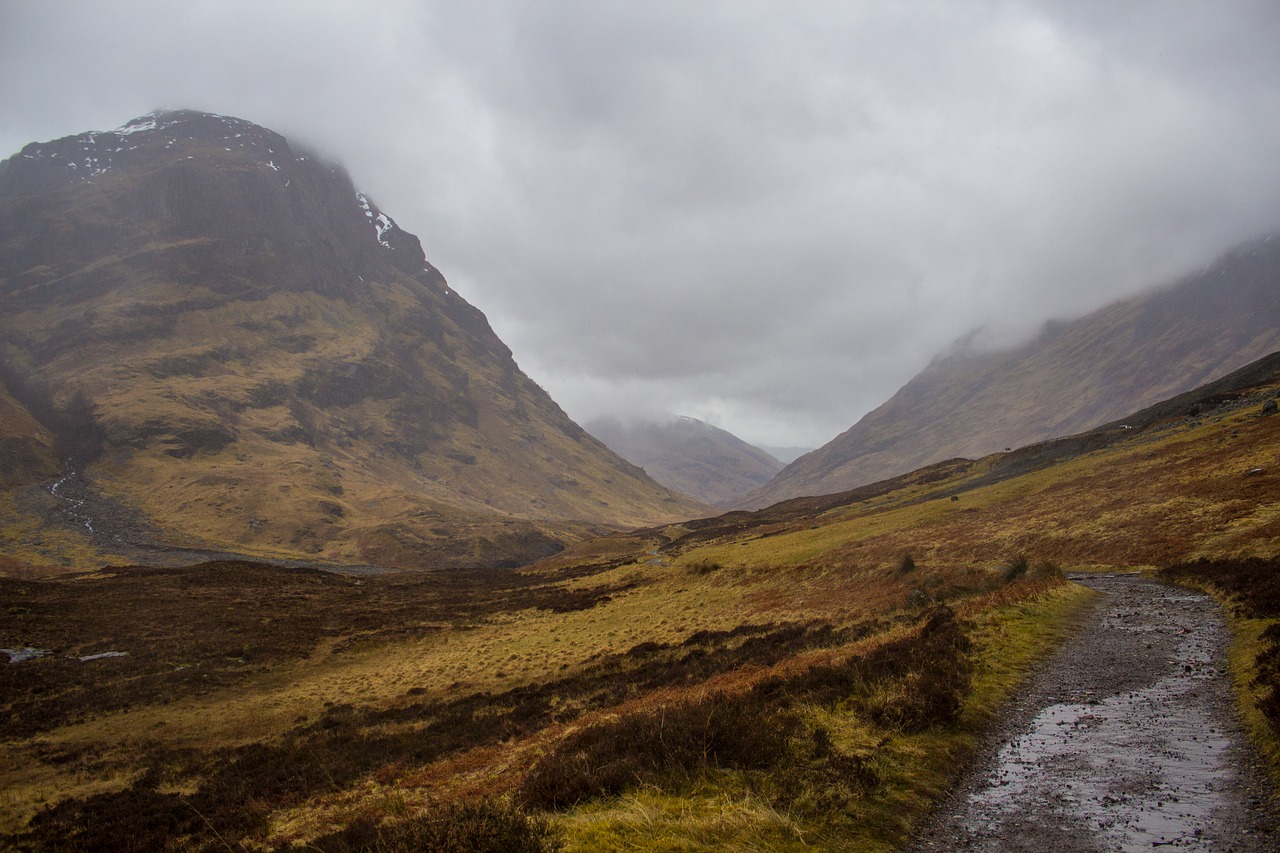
(1126,739)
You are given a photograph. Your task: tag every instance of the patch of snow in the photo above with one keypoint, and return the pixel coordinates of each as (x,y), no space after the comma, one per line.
(272,164)
(137,126)
(24,654)
(384,224)
(381,223)
(101,655)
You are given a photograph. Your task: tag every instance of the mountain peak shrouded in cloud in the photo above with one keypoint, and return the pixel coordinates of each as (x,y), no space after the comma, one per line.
(1070,378)
(776,214)
(689,456)
(267,364)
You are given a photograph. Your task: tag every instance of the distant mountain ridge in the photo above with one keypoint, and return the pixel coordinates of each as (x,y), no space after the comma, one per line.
(256,358)
(690,457)
(1074,376)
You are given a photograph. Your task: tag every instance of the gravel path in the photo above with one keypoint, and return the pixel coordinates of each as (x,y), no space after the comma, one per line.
(1126,739)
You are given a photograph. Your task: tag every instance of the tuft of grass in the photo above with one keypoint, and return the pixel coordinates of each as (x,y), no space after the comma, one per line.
(1017,566)
(703,567)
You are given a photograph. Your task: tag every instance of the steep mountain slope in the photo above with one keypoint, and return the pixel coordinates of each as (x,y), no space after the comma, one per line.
(1072,377)
(690,457)
(245,353)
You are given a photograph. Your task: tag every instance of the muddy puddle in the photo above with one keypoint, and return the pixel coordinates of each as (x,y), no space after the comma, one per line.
(1125,740)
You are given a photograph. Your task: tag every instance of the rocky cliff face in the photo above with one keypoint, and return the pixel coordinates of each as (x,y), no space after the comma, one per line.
(267,362)
(1073,377)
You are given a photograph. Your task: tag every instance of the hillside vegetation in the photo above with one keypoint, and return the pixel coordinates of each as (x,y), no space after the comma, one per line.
(236,351)
(810,676)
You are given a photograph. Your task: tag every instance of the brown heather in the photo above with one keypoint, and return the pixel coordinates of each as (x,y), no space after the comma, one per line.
(771,680)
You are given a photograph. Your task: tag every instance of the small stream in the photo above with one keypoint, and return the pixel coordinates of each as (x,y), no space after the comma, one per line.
(73,506)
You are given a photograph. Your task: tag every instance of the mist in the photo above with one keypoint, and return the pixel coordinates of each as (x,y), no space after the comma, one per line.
(765,216)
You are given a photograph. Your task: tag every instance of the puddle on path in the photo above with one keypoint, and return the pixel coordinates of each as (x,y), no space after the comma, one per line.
(1127,741)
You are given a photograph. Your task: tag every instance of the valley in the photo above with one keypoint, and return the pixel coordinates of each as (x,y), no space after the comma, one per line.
(809,676)
(296,557)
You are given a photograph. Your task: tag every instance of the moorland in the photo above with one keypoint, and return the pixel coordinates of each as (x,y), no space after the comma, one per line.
(808,676)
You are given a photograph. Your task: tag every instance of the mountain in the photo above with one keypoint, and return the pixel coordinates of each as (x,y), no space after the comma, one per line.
(237,350)
(1072,377)
(786,455)
(690,457)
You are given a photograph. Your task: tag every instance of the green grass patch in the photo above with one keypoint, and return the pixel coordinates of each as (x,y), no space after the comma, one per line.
(854,753)
(1009,640)
(1249,590)
(1252,640)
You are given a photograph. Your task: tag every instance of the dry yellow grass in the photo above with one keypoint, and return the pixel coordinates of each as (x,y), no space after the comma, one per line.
(1161,495)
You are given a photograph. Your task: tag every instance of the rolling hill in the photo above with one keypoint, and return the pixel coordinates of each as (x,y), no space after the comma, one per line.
(1072,377)
(238,351)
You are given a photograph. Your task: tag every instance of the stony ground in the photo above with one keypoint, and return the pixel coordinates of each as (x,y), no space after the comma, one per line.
(1126,740)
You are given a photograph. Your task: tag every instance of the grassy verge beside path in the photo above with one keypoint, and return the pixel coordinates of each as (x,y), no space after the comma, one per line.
(857,777)
(1249,590)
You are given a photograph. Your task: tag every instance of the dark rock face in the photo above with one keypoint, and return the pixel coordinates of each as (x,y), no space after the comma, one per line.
(247,200)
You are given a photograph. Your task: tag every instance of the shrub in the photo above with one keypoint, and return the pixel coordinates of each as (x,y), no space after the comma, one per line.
(920,681)
(649,746)
(907,565)
(478,827)
(1045,570)
(1014,569)
(911,683)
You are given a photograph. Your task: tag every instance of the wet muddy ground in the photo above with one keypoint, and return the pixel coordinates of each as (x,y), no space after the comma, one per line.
(1126,739)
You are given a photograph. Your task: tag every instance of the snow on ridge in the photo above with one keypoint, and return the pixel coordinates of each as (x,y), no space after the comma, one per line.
(138,125)
(384,224)
(381,222)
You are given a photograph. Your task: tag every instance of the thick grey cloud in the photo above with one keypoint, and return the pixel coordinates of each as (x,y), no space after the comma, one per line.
(766,215)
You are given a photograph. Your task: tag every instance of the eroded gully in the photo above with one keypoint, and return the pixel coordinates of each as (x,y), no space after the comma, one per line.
(1126,739)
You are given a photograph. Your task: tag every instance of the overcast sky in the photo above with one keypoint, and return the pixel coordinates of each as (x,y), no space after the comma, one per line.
(768,215)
